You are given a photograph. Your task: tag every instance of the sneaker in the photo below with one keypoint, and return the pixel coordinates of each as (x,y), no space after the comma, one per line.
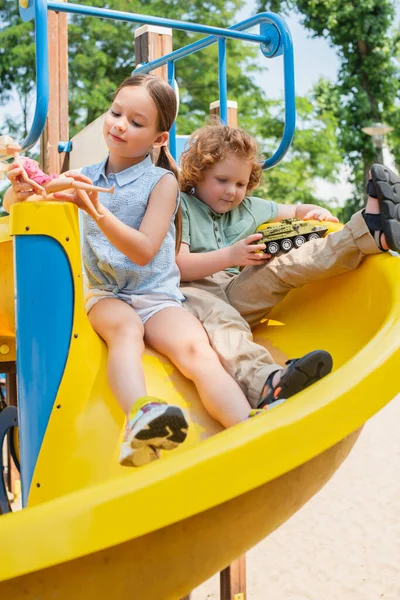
(296,376)
(155,426)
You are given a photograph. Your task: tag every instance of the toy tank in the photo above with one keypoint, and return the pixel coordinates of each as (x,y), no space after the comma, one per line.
(289,233)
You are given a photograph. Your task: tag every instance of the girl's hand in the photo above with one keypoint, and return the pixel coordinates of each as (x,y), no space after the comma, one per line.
(21,190)
(245,252)
(81,198)
(320,214)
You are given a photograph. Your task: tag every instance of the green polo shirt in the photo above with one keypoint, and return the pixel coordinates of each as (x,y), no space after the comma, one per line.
(205,230)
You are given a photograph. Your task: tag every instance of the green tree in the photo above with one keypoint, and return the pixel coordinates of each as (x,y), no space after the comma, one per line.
(101,54)
(368,85)
(314,154)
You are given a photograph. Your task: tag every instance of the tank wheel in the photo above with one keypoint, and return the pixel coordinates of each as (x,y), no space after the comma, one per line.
(286,245)
(272,248)
(299,240)
(313,236)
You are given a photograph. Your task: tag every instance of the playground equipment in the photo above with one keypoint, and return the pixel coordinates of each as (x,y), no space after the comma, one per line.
(92,529)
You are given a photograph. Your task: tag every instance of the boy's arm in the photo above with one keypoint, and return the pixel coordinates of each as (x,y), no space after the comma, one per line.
(197,265)
(193,265)
(304,211)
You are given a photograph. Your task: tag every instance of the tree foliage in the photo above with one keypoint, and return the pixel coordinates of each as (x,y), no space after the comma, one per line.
(101,55)
(367,89)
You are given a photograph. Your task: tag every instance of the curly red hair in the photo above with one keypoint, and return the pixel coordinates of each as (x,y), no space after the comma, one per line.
(213,143)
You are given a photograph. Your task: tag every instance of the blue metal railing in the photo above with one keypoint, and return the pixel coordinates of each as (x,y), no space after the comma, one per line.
(274,40)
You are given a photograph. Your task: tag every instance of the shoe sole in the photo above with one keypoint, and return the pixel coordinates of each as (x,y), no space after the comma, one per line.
(138,457)
(308,370)
(165,432)
(387,186)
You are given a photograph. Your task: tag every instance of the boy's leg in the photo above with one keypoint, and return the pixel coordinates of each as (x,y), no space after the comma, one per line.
(257,289)
(230,336)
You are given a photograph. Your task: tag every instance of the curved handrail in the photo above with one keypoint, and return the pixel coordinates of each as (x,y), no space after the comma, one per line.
(284,44)
(42,70)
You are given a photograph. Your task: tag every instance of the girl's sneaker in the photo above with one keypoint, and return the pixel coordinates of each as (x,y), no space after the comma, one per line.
(152,426)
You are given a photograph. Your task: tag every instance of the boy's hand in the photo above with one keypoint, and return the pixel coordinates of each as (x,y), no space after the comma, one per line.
(246,252)
(21,190)
(78,196)
(320,214)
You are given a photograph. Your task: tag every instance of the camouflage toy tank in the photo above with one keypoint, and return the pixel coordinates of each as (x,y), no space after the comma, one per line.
(288,234)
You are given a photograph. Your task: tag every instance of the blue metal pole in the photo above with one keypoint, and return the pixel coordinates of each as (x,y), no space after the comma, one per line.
(290,100)
(172,133)
(42,76)
(223,87)
(209,40)
(117,15)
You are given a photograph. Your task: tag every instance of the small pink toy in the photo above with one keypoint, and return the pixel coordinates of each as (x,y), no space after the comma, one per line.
(47,184)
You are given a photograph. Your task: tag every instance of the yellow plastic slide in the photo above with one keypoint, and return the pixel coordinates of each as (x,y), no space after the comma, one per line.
(94,530)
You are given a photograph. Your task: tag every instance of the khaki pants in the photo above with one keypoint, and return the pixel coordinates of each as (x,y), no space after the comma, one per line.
(228,305)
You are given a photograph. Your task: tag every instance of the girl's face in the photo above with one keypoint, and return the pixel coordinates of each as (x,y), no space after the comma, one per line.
(224,185)
(130,126)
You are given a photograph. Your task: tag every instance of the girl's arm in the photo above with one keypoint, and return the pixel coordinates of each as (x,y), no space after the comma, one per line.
(19,191)
(304,211)
(141,245)
(197,265)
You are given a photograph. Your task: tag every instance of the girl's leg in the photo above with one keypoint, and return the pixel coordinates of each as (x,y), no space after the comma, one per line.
(179,336)
(151,425)
(122,330)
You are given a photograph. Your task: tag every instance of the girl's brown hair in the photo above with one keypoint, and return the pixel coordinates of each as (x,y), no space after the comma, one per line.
(213,143)
(165,100)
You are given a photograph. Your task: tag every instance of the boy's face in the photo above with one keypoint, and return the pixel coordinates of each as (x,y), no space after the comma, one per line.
(224,185)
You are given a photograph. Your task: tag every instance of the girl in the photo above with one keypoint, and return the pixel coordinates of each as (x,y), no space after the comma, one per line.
(129,258)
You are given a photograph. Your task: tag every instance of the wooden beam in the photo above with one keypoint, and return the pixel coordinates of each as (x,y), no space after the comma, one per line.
(232,112)
(56,128)
(153,42)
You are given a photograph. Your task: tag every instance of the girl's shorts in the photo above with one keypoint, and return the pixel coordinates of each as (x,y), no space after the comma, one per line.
(146,305)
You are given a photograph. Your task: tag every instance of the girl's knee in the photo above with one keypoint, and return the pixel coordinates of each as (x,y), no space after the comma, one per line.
(196,355)
(120,330)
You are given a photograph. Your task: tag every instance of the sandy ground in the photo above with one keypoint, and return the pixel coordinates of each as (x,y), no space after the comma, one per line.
(345,543)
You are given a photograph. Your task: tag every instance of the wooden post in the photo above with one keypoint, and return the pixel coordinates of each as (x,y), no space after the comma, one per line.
(232,112)
(153,42)
(233,580)
(56,128)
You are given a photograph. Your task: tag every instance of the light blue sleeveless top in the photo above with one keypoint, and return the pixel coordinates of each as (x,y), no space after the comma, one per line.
(106,267)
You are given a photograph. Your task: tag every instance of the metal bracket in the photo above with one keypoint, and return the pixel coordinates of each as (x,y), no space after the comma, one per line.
(8,420)
(274,47)
(64,146)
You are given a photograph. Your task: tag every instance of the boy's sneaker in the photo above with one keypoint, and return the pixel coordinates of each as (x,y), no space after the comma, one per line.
(153,427)
(296,376)
(261,411)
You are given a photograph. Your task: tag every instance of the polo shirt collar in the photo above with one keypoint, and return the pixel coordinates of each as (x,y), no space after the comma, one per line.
(207,209)
(126,176)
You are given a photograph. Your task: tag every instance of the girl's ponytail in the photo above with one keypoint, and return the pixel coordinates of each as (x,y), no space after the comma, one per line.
(166,161)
